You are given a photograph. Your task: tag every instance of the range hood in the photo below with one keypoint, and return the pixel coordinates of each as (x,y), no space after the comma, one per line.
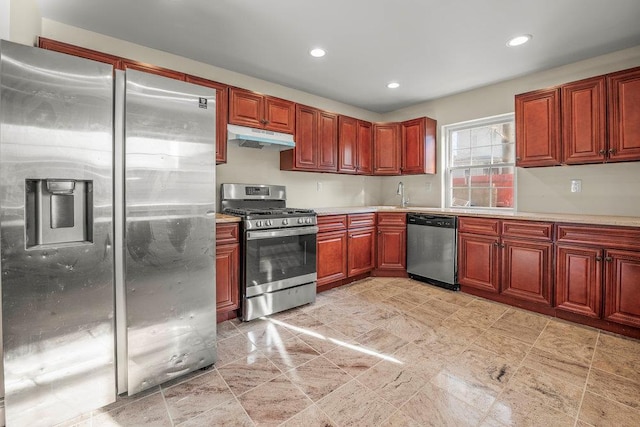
(259,138)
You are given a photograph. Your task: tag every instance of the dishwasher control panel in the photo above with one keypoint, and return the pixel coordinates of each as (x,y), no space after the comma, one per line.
(432,220)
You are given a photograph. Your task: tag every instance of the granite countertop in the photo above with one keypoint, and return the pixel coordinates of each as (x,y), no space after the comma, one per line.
(627,221)
(221,218)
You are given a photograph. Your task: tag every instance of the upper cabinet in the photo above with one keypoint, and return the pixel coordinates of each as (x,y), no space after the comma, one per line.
(419,146)
(316,136)
(354,146)
(624,115)
(584,121)
(255,110)
(594,120)
(387,148)
(538,128)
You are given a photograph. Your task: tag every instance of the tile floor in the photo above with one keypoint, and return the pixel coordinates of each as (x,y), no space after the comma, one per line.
(395,352)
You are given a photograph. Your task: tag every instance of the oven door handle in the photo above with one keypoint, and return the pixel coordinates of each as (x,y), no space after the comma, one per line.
(268,234)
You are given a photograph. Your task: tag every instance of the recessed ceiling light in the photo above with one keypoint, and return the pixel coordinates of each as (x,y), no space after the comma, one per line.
(517,41)
(393,85)
(317,52)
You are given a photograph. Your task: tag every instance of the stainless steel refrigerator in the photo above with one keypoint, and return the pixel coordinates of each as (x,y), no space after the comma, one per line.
(107,232)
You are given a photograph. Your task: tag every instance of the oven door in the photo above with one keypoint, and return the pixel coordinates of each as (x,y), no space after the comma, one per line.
(279,259)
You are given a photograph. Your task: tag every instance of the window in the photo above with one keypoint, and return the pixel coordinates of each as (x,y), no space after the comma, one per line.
(480,163)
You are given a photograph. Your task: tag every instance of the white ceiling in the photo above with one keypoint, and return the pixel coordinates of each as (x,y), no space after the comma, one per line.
(433,48)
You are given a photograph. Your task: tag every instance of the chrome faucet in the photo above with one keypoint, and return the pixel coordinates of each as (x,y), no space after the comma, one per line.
(404,201)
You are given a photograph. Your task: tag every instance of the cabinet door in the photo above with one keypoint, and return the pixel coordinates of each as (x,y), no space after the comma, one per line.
(419,146)
(227,279)
(478,262)
(361,248)
(526,270)
(222,104)
(327,142)
(579,280)
(365,152)
(624,115)
(246,108)
(392,248)
(386,149)
(584,121)
(622,287)
(279,115)
(331,257)
(347,144)
(306,153)
(538,128)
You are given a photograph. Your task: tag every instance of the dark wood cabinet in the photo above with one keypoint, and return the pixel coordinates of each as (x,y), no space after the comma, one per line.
(354,146)
(584,121)
(624,115)
(247,108)
(419,146)
(332,257)
(222,103)
(392,244)
(227,271)
(512,258)
(598,272)
(579,280)
(361,250)
(538,139)
(316,139)
(387,149)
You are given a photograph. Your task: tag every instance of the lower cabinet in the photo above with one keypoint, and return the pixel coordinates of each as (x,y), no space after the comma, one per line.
(346,247)
(227,271)
(392,244)
(511,258)
(598,273)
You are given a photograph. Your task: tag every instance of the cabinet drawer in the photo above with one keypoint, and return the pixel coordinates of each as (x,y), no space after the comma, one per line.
(486,226)
(386,218)
(611,237)
(227,233)
(361,220)
(528,230)
(332,223)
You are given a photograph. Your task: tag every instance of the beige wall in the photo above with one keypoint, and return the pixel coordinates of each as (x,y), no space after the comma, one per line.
(607,189)
(25,21)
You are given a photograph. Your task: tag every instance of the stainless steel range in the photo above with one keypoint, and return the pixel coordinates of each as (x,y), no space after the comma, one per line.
(279,249)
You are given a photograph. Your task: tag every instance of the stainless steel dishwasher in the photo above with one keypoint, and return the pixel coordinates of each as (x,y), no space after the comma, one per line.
(431,249)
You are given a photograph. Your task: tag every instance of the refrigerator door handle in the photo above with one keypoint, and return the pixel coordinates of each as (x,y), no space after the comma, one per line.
(119,237)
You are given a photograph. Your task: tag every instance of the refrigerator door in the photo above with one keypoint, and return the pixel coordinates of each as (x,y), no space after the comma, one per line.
(169,229)
(56,114)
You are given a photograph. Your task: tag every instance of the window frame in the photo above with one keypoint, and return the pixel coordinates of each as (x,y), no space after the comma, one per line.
(447,160)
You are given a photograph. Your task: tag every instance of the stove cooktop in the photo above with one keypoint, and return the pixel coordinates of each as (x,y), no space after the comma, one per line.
(267,212)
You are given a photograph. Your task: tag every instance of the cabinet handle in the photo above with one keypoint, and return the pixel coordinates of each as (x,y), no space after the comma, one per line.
(518,158)
(264,122)
(598,258)
(612,151)
(602,151)
(496,244)
(608,259)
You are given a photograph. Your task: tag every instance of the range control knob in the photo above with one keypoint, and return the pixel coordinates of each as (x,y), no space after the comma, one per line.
(307,220)
(268,223)
(258,223)
(300,220)
(285,222)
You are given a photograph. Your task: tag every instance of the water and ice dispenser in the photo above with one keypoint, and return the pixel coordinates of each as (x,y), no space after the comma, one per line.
(58,211)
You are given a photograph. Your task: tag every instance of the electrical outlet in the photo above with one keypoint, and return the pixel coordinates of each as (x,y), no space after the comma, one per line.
(318,186)
(576,185)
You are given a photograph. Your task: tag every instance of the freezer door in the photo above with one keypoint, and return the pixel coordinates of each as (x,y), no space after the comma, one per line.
(169,228)
(56,235)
